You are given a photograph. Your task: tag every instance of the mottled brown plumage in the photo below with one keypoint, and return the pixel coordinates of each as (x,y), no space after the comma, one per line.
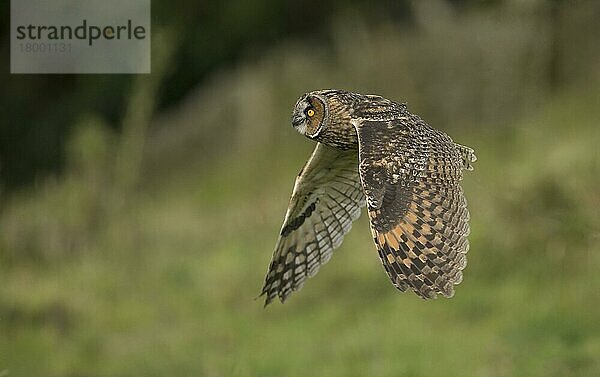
(373,151)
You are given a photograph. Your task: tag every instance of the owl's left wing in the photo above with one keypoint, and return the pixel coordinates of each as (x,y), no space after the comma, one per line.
(411,175)
(327,198)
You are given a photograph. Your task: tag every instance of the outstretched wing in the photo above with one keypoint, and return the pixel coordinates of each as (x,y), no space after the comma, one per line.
(419,219)
(327,198)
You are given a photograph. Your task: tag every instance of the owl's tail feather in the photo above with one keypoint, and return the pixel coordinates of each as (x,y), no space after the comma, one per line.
(468,156)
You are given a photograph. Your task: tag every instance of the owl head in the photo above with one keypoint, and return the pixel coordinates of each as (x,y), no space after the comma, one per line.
(310,114)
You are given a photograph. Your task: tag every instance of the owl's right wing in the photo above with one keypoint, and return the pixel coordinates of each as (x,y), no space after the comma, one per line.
(411,175)
(327,198)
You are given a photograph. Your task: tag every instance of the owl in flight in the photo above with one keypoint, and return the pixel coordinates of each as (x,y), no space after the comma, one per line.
(372,151)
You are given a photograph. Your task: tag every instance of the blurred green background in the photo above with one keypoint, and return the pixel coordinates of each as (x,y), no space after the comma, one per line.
(138,213)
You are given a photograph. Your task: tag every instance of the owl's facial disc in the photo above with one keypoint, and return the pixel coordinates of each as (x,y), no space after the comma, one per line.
(309,115)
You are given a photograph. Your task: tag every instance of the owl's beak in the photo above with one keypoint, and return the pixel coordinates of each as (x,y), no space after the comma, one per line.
(297,121)
(298,118)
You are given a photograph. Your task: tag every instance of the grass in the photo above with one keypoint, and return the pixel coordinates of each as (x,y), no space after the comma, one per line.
(166,284)
(133,264)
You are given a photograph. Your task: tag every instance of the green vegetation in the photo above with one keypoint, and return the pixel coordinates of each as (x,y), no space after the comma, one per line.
(165,286)
(143,258)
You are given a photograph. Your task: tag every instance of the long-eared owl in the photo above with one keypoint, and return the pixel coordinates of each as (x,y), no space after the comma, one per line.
(373,152)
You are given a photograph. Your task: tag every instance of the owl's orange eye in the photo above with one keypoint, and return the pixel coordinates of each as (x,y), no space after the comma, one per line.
(310,112)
